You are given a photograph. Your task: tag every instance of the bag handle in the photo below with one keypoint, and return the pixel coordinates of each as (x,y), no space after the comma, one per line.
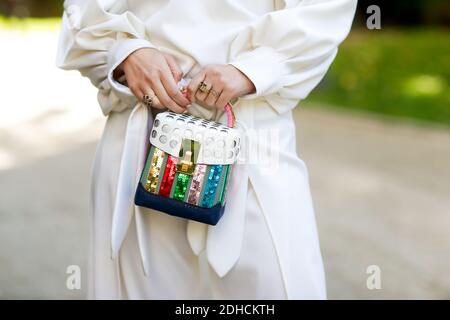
(231,118)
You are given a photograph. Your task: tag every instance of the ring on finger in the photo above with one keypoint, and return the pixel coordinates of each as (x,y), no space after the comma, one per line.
(148,100)
(214,93)
(203,87)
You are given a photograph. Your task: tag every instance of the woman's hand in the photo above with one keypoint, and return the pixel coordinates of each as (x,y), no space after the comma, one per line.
(223,83)
(155,74)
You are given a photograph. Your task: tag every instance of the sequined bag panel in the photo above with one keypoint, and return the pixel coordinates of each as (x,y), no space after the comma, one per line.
(187,168)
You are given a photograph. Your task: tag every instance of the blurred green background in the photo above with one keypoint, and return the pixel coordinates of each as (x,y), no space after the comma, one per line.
(402,70)
(403,73)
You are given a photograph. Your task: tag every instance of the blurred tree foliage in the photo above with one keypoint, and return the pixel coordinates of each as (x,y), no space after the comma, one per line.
(403,73)
(408,12)
(32,8)
(398,12)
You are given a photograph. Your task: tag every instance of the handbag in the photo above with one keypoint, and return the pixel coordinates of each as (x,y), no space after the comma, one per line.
(188,166)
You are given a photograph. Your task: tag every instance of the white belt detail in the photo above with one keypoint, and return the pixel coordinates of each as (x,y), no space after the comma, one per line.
(132,163)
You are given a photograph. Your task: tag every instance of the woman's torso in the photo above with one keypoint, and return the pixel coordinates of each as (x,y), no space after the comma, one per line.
(197,32)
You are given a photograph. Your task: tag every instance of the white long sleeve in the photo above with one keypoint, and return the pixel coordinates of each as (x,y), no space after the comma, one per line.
(96,36)
(287,52)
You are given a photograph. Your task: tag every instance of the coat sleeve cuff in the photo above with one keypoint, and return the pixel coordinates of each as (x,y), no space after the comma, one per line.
(264,67)
(118,53)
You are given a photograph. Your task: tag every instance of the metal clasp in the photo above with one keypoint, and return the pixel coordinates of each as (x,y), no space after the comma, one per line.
(188,154)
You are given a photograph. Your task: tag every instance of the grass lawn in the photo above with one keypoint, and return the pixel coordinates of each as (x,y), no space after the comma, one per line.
(404,73)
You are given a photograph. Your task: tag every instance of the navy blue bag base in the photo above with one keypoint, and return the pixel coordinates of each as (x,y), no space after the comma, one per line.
(178,208)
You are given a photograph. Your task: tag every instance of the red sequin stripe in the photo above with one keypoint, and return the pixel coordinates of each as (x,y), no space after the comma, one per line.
(169,174)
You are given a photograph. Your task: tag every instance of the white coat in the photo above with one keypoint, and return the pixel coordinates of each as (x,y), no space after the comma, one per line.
(284,46)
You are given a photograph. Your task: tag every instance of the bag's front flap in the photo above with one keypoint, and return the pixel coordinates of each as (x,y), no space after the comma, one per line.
(218,144)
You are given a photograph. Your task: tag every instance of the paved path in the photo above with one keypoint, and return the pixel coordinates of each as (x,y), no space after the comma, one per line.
(381,188)
(382,196)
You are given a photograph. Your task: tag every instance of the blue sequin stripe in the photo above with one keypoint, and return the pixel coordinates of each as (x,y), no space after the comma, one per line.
(211,186)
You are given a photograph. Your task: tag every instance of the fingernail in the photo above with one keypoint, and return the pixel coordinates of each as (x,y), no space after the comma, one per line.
(189,105)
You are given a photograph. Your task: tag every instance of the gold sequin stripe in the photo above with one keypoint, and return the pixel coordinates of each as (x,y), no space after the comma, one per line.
(155,170)
(144,174)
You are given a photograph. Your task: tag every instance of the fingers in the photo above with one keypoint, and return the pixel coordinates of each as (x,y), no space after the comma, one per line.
(201,95)
(172,90)
(155,74)
(155,101)
(174,67)
(194,84)
(218,91)
(137,91)
(213,95)
(163,96)
(225,97)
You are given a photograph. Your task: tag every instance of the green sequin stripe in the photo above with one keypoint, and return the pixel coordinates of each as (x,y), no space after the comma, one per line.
(181,186)
(188,187)
(144,174)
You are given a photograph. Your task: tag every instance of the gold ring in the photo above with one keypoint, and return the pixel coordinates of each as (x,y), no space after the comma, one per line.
(148,101)
(203,87)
